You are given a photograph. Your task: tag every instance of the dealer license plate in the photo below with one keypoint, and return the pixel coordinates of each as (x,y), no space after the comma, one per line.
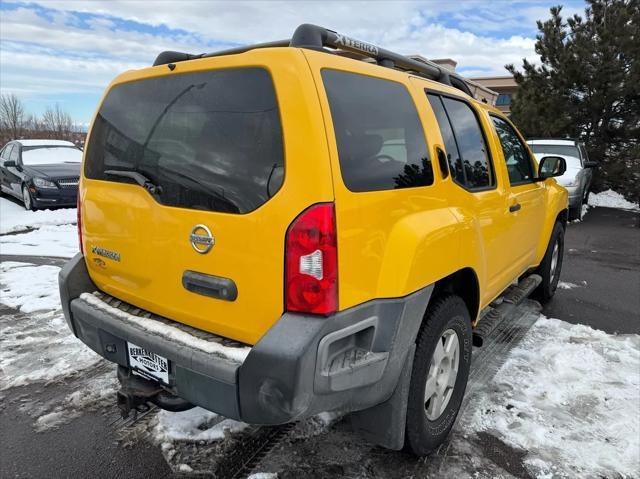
(148,364)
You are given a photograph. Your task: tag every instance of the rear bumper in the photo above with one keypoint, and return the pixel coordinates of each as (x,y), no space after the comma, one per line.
(302,366)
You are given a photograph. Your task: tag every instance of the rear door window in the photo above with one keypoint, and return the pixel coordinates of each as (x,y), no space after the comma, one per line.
(381,143)
(209,140)
(464,141)
(471,145)
(453,155)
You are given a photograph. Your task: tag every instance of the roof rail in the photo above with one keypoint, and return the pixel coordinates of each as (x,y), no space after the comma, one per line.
(318,38)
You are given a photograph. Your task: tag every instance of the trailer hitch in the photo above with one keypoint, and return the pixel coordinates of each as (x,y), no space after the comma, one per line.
(136,393)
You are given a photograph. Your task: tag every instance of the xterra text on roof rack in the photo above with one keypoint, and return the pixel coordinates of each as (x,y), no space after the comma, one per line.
(279,230)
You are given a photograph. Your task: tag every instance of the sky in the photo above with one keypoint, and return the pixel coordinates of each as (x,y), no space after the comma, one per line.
(67,51)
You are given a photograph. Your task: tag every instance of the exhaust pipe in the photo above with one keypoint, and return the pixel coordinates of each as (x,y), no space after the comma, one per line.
(136,392)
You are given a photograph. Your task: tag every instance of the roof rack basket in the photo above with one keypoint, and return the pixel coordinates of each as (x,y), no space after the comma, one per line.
(318,38)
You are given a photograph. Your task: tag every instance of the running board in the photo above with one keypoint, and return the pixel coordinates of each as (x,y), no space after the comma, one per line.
(503,307)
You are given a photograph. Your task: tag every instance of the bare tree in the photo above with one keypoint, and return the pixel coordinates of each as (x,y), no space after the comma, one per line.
(12,115)
(57,123)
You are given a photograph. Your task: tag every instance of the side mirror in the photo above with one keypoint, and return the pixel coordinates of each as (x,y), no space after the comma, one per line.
(9,163)
(551,166)
(591,164)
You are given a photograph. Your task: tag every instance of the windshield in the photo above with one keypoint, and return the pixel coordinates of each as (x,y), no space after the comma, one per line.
(209,140)
(564,150)
(50,155)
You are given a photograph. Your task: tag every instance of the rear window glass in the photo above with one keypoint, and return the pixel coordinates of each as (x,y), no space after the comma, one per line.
(210,140)
(50,155)
(381,143)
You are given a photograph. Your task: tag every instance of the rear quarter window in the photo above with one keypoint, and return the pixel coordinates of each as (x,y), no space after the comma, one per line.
(210,140)
(380,140)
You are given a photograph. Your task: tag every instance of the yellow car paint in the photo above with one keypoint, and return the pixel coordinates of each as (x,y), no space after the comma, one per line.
(390,243)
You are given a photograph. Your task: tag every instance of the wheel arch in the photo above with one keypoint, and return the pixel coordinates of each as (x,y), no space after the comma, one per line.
(563,218)
(463,283)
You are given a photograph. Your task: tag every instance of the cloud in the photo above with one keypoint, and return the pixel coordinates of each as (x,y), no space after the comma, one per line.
(62,46)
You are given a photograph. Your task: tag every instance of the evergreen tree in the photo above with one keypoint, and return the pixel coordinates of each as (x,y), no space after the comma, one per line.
(588,86)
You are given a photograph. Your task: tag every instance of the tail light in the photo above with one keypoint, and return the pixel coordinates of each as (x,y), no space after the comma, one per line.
(311,262)
(79,209)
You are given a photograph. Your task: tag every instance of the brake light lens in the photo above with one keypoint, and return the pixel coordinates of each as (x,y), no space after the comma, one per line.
(79,210)
(311,262)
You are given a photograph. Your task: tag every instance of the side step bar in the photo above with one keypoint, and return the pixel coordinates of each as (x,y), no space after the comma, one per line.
(503,306)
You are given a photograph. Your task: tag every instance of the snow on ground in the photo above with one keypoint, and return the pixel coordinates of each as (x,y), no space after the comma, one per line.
(612,199)
(569,397)
(36,343)
(29,288)
(48,240)
(94,390)
(566,400)
(196,424)
(13,217)
(567,285)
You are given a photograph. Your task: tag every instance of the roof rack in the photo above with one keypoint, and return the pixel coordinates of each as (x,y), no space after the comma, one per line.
(318,38)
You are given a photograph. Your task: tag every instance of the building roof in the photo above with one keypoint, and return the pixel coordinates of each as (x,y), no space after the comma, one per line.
(45,143)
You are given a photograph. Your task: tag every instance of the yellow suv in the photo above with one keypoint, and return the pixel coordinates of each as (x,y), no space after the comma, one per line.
(295,227)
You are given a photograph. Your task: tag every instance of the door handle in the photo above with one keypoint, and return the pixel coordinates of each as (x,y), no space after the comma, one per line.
(514,208)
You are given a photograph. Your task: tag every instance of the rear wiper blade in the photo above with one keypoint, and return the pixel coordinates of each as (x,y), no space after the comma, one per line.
(138,178)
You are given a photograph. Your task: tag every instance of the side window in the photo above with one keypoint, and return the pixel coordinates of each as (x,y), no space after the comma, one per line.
(476,166)
(381,143)
(515,153)
(6,152)
(453,156)
(583,152)
(14,153)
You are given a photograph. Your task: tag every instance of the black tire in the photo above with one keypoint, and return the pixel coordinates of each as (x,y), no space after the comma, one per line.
(547,288)
(575,212)
(445,313)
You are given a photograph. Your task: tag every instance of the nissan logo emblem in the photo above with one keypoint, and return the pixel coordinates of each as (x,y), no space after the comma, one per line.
(201,239)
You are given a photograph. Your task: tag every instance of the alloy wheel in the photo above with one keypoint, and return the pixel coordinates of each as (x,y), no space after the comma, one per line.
(26,198)
(442,375)
(554,261)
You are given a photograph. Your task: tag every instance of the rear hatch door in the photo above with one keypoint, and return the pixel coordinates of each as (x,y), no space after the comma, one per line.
(191,179)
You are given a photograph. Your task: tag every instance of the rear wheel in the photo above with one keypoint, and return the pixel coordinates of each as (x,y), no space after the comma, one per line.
(439,375)
(27,199)
(551,265)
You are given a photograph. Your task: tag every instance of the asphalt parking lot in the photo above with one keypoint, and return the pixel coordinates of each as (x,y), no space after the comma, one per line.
(601,289)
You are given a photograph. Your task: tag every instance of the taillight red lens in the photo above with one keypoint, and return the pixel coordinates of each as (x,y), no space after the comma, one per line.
(311,264)
(80,223)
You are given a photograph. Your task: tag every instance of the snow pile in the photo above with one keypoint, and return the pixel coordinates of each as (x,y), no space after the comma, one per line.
(612,199)
(13,217)
(38,346)
(60,241)
(569,396)
(170,332)
(196,424)
(567,285)
(29,288)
